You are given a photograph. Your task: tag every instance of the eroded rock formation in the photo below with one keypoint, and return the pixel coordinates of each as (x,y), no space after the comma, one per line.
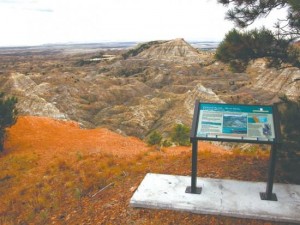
(152,90)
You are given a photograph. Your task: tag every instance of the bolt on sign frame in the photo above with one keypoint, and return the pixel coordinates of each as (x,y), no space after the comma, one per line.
(258,124)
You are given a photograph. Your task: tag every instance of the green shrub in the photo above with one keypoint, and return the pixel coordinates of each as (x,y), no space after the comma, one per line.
(289,151)
(290,119)
(166,143)
(8,115)
(155,138)
(237,66)
(181,135)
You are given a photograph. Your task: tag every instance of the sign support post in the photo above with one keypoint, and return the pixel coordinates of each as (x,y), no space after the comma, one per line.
(193,188)
(268,195)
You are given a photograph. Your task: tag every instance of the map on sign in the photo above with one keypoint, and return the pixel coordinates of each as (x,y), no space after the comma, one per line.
(240,122)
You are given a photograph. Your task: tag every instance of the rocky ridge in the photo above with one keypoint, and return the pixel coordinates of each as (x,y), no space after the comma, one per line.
(279,82)
(30,96)
(174,50)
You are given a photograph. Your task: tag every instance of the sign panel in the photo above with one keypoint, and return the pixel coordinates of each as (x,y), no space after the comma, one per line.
(238,122)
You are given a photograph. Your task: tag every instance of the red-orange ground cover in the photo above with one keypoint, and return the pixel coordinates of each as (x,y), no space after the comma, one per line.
(53,172)
(51,137)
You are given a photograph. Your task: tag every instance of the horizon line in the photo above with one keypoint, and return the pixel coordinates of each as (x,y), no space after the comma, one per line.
(96,42)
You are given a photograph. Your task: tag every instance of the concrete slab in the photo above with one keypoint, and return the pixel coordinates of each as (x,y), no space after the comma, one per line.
(219,197)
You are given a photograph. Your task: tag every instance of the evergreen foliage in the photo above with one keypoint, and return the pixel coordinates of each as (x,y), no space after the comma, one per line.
(155,139)
(289,153)
(181,135)
(238,48)
(166,143)
(8,115)
(245,12)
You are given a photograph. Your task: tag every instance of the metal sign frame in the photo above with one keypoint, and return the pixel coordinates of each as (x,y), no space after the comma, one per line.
(268,195)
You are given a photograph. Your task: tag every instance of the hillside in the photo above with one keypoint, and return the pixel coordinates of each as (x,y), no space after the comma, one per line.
(177,50)
(53,172)
(153,88)
(54,137)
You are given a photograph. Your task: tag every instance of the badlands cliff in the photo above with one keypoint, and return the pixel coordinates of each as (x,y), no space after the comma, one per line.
(153,89)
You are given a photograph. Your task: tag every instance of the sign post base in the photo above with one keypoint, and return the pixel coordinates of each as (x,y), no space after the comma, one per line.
(264,196)
(197,191)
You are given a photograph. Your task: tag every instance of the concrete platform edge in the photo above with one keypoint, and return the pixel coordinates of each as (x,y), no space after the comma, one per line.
(159,203)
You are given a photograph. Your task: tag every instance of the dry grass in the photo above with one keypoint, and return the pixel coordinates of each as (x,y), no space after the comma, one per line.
(45,180)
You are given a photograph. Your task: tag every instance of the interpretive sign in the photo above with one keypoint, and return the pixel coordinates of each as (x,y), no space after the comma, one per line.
(238,122)
(235,123)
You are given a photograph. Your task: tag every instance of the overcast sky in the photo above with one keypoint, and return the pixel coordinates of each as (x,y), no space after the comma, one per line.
(35,22)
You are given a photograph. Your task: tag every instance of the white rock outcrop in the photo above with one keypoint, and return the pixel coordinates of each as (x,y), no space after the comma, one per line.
(285,81)
(29,97)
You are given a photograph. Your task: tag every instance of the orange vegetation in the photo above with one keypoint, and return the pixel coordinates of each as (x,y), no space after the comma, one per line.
(52,137)
(49,137)
(53,172)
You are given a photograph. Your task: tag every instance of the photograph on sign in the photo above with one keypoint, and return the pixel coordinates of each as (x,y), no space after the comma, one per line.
(229,121)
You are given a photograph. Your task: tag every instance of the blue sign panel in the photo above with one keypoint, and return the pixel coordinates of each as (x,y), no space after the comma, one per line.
(238,122)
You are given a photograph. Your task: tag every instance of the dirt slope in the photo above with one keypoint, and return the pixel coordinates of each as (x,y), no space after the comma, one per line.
(50,137)
(53,172)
